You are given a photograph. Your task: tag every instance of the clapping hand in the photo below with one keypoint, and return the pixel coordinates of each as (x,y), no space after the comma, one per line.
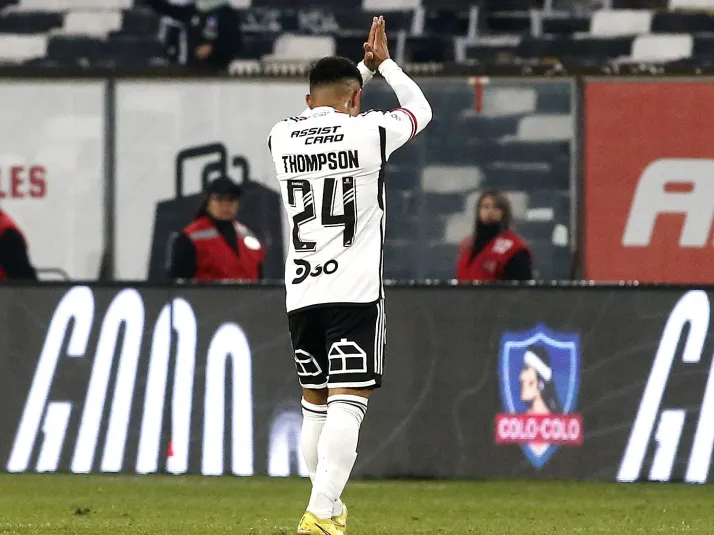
(376,49)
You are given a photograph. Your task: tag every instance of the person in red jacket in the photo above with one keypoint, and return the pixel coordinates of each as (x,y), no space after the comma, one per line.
(14,261)
(215,247)
(494,251)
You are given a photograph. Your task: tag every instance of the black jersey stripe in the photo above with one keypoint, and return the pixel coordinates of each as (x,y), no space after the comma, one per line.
(380,200)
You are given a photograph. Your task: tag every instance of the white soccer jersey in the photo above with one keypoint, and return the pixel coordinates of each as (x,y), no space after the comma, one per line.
(330,167)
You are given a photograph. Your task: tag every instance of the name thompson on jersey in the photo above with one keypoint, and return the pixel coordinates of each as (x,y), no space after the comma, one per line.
(331,170)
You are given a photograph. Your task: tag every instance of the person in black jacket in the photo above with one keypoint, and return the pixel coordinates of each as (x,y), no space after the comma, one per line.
(14,260)
(212,31)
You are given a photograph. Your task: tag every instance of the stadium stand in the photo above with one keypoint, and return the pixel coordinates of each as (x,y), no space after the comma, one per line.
(520,142)
(125,32)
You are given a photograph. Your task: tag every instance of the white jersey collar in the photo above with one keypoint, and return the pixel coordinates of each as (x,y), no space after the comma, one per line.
(322,110)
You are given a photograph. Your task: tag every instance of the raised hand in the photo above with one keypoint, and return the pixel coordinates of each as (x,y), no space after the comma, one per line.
(378,46)
(368,54)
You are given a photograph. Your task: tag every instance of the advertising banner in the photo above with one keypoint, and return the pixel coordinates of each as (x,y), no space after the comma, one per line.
(583,383)
(649,192)
(52,171)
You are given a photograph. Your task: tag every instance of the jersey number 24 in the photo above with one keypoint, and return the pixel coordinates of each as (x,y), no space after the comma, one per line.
(347,219)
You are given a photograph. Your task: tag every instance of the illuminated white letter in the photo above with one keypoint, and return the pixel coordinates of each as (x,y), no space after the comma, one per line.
(78,305)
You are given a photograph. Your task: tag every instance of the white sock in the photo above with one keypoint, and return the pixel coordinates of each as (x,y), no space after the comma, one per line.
(336,452)
(313,420)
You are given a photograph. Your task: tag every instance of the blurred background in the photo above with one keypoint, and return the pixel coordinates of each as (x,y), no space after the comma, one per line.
(118,114)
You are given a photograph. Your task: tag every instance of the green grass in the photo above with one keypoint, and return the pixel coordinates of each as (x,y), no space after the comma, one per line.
(67,504)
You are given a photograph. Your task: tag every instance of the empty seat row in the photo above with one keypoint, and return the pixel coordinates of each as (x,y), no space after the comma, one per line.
(643,48)
(603,23)
(69,5)
(416,49)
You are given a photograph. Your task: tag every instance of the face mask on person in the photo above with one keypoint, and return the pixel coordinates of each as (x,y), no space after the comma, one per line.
(208,5)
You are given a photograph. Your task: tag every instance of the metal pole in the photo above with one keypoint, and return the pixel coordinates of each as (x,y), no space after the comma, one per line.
(110,178)
(577,181)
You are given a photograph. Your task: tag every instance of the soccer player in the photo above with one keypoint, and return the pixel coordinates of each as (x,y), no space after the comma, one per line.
(330,164)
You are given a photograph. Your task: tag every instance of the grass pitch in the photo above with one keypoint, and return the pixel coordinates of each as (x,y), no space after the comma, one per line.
(153,505)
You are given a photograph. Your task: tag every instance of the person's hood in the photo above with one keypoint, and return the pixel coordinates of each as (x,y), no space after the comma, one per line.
(208,5)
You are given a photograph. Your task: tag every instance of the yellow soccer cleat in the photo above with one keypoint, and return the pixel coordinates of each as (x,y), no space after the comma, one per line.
(311,525)
(341,520)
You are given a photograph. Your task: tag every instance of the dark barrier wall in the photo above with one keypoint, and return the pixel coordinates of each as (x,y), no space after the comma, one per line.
(601,383)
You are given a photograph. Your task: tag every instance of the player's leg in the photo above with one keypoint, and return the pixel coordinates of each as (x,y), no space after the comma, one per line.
(312,366)
(356,339)
(314,416)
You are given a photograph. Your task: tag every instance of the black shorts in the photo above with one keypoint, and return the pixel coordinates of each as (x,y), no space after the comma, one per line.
(339,346)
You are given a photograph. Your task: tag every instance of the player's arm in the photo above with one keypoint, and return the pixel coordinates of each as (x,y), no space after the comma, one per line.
(414,111)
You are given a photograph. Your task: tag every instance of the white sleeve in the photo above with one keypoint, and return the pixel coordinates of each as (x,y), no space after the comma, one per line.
(414,112)
(367,75)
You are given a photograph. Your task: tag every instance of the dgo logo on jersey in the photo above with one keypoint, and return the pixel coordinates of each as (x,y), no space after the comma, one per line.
(539,376)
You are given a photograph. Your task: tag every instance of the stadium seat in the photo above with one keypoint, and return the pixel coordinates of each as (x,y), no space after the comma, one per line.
(30,22)
(402,177)
(546,128)
(519,203)
(512,101)
(356,20)
(400,258)
(139,22)
(140,49)
(600,49)
(666,22)
(65,48)
(349,46)
(507,22)
(432,49)
(500,5)
(404,227)
(447,179)
(610,23)
(570,24)
(495,127)
(499,49)
(303,47)
(291,4)
(445,22)
(662,47)
(389,5)
(438,204)
(94,23)
(691,4)
(437,261)
(257,46)
(553,102)
(458,226)
(71,5)
(15,48)
(703,46)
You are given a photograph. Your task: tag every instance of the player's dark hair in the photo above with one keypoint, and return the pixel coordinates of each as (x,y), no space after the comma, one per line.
(332,70)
